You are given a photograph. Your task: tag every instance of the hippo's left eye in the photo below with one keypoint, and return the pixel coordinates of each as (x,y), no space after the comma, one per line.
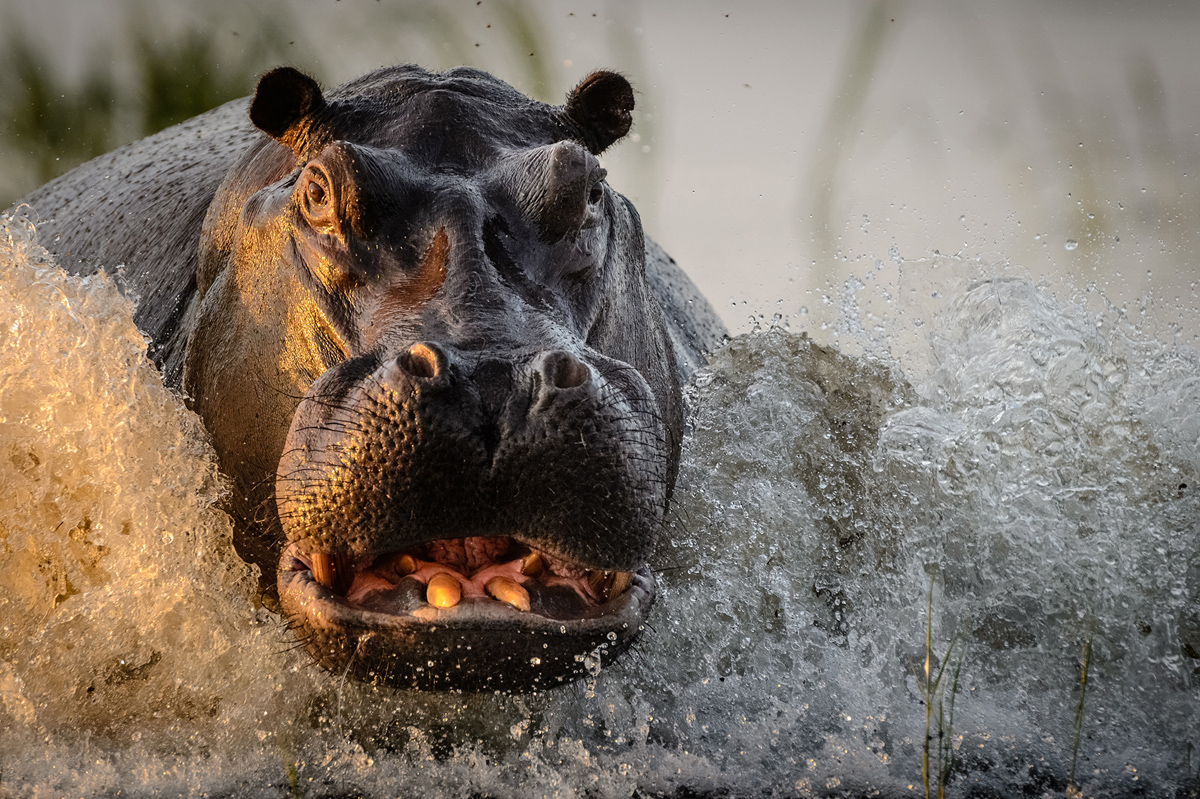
(597,192)
(317,199)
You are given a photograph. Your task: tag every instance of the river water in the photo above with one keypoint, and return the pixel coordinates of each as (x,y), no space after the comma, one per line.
(993,480)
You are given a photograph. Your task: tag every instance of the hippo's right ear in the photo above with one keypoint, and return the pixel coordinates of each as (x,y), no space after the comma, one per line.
(600,108)
(286,105)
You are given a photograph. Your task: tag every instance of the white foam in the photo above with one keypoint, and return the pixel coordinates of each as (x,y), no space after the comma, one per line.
(1035,469)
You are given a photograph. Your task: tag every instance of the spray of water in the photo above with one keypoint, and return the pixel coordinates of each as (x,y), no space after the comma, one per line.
(1031,462)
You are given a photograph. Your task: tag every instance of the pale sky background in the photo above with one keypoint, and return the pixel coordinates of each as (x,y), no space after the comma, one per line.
(782,147)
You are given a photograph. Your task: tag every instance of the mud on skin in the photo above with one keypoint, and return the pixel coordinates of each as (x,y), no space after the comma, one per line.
(429,342)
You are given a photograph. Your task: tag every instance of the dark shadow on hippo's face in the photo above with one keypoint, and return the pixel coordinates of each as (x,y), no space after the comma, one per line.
(430,361)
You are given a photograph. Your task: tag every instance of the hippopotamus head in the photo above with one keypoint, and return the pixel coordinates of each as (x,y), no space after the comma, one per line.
(430,361)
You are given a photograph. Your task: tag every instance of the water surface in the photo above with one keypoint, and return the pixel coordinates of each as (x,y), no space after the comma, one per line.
(1028,454)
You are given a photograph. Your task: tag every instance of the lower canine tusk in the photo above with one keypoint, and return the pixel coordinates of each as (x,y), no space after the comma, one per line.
(621,581)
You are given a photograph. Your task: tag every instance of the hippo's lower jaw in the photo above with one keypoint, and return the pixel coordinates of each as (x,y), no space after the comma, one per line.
(464,614)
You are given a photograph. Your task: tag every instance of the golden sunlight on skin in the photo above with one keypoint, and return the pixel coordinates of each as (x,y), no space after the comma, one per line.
(301,360)
(411,293)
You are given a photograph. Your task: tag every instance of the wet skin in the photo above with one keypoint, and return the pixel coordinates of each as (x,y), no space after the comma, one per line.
(471,374)
(430,347)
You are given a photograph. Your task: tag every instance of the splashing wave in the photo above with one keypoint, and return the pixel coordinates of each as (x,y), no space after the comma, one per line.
(1040,478)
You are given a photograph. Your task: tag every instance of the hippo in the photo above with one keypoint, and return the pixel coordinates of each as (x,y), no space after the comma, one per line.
(438,359)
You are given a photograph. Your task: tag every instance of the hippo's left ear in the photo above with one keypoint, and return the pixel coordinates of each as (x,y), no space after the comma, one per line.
(285,107)
(600,109)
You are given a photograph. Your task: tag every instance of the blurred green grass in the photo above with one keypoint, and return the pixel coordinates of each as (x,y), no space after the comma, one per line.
(145,72)
(53,123)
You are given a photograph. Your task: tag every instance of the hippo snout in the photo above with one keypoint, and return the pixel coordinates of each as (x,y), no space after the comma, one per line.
(487,500)
(436,444)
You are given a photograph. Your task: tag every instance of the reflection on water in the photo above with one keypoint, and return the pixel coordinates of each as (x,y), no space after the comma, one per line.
(1040,471)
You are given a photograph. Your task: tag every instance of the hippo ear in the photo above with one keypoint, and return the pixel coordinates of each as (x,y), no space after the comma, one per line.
(285,106)
(599,107)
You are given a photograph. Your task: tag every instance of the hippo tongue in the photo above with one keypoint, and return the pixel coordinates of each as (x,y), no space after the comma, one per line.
(468,555)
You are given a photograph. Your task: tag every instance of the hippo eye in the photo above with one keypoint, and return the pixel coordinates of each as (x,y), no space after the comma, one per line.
(597,192)
(317,200)
(315,192)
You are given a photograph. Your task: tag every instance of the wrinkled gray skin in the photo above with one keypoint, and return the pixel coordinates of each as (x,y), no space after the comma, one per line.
(413,311)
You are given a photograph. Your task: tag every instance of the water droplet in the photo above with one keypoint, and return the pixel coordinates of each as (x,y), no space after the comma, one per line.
(1071,244)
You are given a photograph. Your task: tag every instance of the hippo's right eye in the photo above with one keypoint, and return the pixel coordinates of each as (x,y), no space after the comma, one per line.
(315,192)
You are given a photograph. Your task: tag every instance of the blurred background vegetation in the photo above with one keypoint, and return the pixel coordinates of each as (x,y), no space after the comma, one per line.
(1099,182)
(132,87)
(781,150)
(153,65)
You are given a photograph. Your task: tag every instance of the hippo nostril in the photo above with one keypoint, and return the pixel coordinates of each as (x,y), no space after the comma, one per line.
(420,360)
(563,370)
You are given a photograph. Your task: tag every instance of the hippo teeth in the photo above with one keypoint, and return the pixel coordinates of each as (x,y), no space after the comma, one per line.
(443,591)
(531,565)
(609,584)
(332,571)
(509,591)
(443,574)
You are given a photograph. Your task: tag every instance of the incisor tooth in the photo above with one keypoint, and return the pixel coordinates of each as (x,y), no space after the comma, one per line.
(443,591)
(531,565)
(331,571)
(509,591)
(406,564)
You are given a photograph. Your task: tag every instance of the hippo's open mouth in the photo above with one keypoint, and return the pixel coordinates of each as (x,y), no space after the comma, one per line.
(550,470)
(468,613)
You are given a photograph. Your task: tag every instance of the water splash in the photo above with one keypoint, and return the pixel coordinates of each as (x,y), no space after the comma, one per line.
(1040,472)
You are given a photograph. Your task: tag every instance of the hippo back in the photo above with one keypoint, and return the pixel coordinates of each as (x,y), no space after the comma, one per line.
(695,328)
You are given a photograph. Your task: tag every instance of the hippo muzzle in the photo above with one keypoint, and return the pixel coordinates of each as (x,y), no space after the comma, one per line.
(448,503)
(430,362)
